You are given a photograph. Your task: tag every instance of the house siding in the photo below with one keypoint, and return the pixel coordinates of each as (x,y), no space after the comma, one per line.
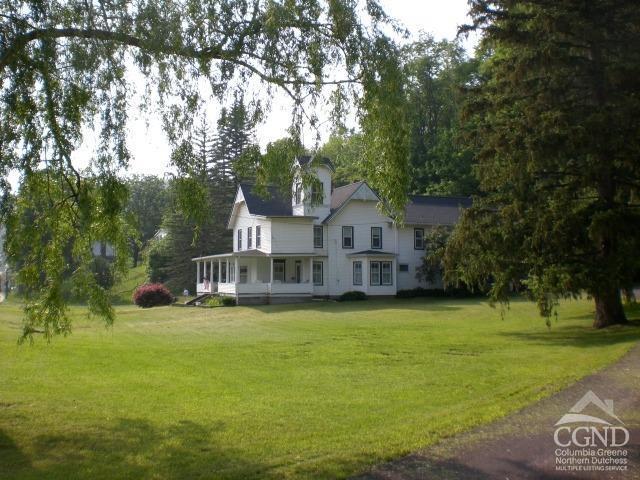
(361,215)
(408,255)
(244,220)
(292,236)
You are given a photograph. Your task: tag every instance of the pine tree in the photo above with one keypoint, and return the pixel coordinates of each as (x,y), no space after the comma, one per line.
(208,163)
(557,125)
(235,135)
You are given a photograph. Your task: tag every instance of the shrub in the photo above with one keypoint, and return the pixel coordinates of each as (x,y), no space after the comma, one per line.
(353,295)
(152,295)
(228,301)
(220,302)
(437,293)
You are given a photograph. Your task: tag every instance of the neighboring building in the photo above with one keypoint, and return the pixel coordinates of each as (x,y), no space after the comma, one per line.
(102,249)
(292,249)
(160,234)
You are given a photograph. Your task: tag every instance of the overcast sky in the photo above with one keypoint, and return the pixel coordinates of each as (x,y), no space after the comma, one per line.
(150,150)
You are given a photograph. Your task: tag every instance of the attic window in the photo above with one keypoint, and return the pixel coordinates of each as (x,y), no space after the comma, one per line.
(317,193)
(297,193)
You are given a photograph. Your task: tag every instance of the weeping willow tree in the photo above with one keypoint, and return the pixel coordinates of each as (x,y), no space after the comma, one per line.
(66,67)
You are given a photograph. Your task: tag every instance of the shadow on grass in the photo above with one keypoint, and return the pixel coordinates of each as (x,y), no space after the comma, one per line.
(580,336)
(135,448)
(130,448)
(330,306)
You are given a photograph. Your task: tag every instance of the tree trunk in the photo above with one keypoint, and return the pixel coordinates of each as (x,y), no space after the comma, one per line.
(136,254)
(609,309)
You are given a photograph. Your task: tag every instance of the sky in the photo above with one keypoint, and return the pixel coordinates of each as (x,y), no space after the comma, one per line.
(148,145)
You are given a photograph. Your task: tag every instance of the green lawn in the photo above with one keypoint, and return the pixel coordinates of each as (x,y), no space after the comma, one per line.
(320,390)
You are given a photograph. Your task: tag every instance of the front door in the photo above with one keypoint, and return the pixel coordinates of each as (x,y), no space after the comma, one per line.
(298,271)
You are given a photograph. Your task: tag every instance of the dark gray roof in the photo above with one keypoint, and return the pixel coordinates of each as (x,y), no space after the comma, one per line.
(342,194)
(275,204)
(305,160)
(431,210)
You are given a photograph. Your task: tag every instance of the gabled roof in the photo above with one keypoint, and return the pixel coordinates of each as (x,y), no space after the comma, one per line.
(305,160)
(341,196)
(274,205)
(434,210)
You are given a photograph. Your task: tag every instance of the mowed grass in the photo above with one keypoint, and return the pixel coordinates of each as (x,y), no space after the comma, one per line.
(320,390)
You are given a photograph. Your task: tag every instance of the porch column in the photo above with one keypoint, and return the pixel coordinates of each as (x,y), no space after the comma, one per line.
(237,266)
(211,274)
(220,271)
(228,272)
(311,270)
(197,273)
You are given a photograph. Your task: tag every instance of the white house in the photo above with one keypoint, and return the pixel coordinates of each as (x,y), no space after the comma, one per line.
(293,249)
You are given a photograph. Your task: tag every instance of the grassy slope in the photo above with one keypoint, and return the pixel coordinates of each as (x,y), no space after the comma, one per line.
(319,390)
(122,291)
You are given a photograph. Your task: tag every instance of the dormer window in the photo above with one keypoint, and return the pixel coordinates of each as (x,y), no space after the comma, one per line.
(317,193)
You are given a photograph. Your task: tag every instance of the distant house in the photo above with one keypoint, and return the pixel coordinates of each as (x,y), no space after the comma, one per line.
(288,249)
(160,234)
(102,249)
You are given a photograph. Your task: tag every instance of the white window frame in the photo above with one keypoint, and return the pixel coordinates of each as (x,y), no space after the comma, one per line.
(232,272)
(316,229)
(353,239)
(374,277)
(317,281)
(239,239)
(357,272)
(416,245)
(258,236)
(249,238)
(379,229)
(297,192)
(389,273)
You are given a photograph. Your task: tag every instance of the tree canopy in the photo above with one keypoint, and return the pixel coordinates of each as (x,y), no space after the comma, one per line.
(556,126)
(65,68)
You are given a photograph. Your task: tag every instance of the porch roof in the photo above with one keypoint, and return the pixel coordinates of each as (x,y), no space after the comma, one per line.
(252,253)
(372,253)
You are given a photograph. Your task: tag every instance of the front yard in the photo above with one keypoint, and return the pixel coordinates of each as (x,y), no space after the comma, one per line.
(318,390)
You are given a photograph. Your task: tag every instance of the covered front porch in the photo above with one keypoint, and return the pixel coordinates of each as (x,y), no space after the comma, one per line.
(253,273)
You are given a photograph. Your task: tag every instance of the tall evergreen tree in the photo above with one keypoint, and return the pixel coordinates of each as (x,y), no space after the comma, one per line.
(557,127)
(206,183)
(235,135)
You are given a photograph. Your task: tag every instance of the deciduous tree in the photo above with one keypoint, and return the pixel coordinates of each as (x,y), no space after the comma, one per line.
(66,65)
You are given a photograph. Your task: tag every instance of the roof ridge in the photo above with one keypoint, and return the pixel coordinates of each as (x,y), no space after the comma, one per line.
(424,195)
(350,184)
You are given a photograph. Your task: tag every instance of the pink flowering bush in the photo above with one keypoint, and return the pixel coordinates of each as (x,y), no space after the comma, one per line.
(152,295)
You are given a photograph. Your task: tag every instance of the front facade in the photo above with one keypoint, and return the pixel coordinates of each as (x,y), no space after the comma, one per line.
(294,249)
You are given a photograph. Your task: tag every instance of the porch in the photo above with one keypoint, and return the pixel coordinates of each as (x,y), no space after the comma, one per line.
(253,273)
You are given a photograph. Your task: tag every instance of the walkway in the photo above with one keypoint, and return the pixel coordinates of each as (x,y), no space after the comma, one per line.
(521,446)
